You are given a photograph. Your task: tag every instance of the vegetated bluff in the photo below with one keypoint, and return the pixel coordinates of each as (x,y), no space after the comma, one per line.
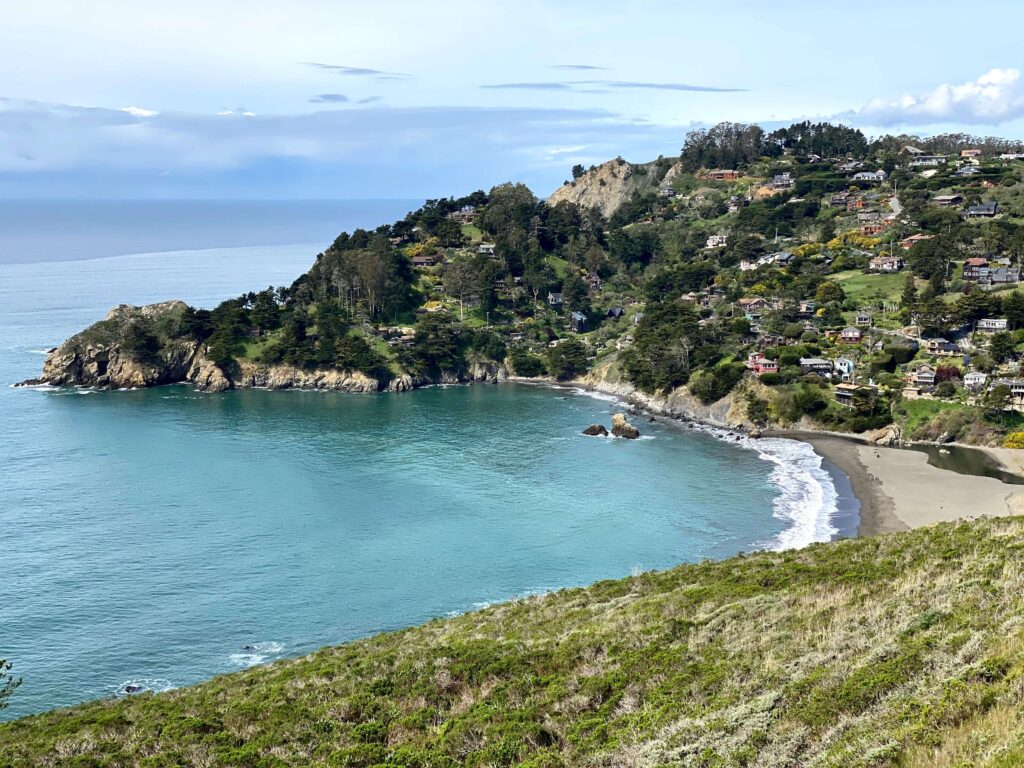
(805,277)
(905,650)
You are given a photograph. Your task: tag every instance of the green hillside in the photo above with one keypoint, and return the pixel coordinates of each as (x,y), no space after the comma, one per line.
(904,650)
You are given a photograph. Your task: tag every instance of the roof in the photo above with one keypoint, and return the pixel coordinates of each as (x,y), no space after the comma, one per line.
(814,361)
(578,316)
(851,329)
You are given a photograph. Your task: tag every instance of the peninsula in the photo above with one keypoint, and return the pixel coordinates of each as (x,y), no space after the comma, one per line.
(805,278)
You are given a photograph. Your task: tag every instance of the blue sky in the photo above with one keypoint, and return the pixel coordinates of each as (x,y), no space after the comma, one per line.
(318,98)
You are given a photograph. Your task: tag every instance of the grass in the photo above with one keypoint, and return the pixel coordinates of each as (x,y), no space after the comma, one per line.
(920,412)
(866,288)
(906,650)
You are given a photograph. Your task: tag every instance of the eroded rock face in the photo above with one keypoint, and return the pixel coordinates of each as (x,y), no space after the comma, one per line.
(609,185)
(886,436)
(622,428)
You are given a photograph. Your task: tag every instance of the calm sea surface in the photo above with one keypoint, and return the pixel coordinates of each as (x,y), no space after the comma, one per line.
(159,537)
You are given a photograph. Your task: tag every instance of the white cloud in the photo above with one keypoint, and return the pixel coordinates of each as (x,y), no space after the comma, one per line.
(992,98)
(139,112)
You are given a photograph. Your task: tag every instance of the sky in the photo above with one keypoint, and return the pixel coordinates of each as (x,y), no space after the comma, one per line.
(406,99)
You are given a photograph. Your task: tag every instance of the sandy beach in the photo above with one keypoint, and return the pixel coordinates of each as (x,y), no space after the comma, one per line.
(898,488)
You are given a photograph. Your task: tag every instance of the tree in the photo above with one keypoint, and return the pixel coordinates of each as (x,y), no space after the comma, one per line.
(7,683)
(909,295)
(1001,346)
(996,401)
(577,171)
(830,292)
(460,279)
(574,293)
(568,359)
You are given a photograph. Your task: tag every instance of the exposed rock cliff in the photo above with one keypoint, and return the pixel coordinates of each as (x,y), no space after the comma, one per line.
(138,347)
(611,184)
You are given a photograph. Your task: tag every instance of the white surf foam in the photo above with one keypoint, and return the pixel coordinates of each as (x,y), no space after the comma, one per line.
(143,685)
(255,654)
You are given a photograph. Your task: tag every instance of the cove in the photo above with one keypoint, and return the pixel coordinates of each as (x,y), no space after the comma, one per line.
(163,536)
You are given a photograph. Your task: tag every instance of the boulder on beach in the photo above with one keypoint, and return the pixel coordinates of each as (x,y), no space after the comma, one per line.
(596,430)
(622,428)
(886,437)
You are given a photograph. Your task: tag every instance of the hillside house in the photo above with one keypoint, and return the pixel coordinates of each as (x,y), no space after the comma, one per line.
(783,181)
(847,394)
(555,299)
(464,215)
(927,161)
(975,381)
(970,153)
(816,365)
(426,260)
(759,364)
(992,325)
(717,241)
(863,318)
(487,249)
(578,322)
(721,174)
(851,335)
(755,304)
(975,269)
(850,167)
(886,264)
(746,265)
(839,199)
(983,211)
(910,242)
(1016,387)
(844,366)
(923,376)
(942,348)
(614,313)
(1001,276)
(876,177)
(868,214)
(872,229)
(948,201)
(967,171)
(666,193)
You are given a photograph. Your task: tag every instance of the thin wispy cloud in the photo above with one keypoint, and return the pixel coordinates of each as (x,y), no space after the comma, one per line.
(376,74)
(529,86)
(329,98)
(595,86)
(369,100)
(578,67)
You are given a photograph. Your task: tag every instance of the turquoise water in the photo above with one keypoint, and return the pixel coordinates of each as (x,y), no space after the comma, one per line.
(160,537)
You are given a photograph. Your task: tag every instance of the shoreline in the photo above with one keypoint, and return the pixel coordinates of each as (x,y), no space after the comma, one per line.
(890,489)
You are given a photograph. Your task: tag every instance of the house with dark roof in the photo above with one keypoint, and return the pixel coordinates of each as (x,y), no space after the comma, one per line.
(982,211)
(578,322)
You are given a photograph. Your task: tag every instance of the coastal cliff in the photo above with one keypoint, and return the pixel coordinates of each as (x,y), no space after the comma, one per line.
(609,185)
(137,347)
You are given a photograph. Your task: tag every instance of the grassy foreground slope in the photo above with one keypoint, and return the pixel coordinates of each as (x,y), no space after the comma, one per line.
(904,650)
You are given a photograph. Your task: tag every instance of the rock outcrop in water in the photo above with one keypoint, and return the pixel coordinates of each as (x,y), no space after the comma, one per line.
(134,347)
(622,428)
(596,430)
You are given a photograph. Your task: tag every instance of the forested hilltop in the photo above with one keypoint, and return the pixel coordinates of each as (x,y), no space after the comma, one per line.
(808,275)
(903,650)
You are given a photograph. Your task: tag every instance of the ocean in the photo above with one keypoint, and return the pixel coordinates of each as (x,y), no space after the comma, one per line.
(156,538)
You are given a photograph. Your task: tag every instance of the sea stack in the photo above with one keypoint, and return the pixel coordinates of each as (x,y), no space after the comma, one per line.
(622,428)
(596,430)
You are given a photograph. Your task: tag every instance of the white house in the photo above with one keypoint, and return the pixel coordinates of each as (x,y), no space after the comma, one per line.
(975,380)
(992,324)
(844,366)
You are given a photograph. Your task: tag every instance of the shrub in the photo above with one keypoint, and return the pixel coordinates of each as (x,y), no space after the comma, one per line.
(1014,440)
